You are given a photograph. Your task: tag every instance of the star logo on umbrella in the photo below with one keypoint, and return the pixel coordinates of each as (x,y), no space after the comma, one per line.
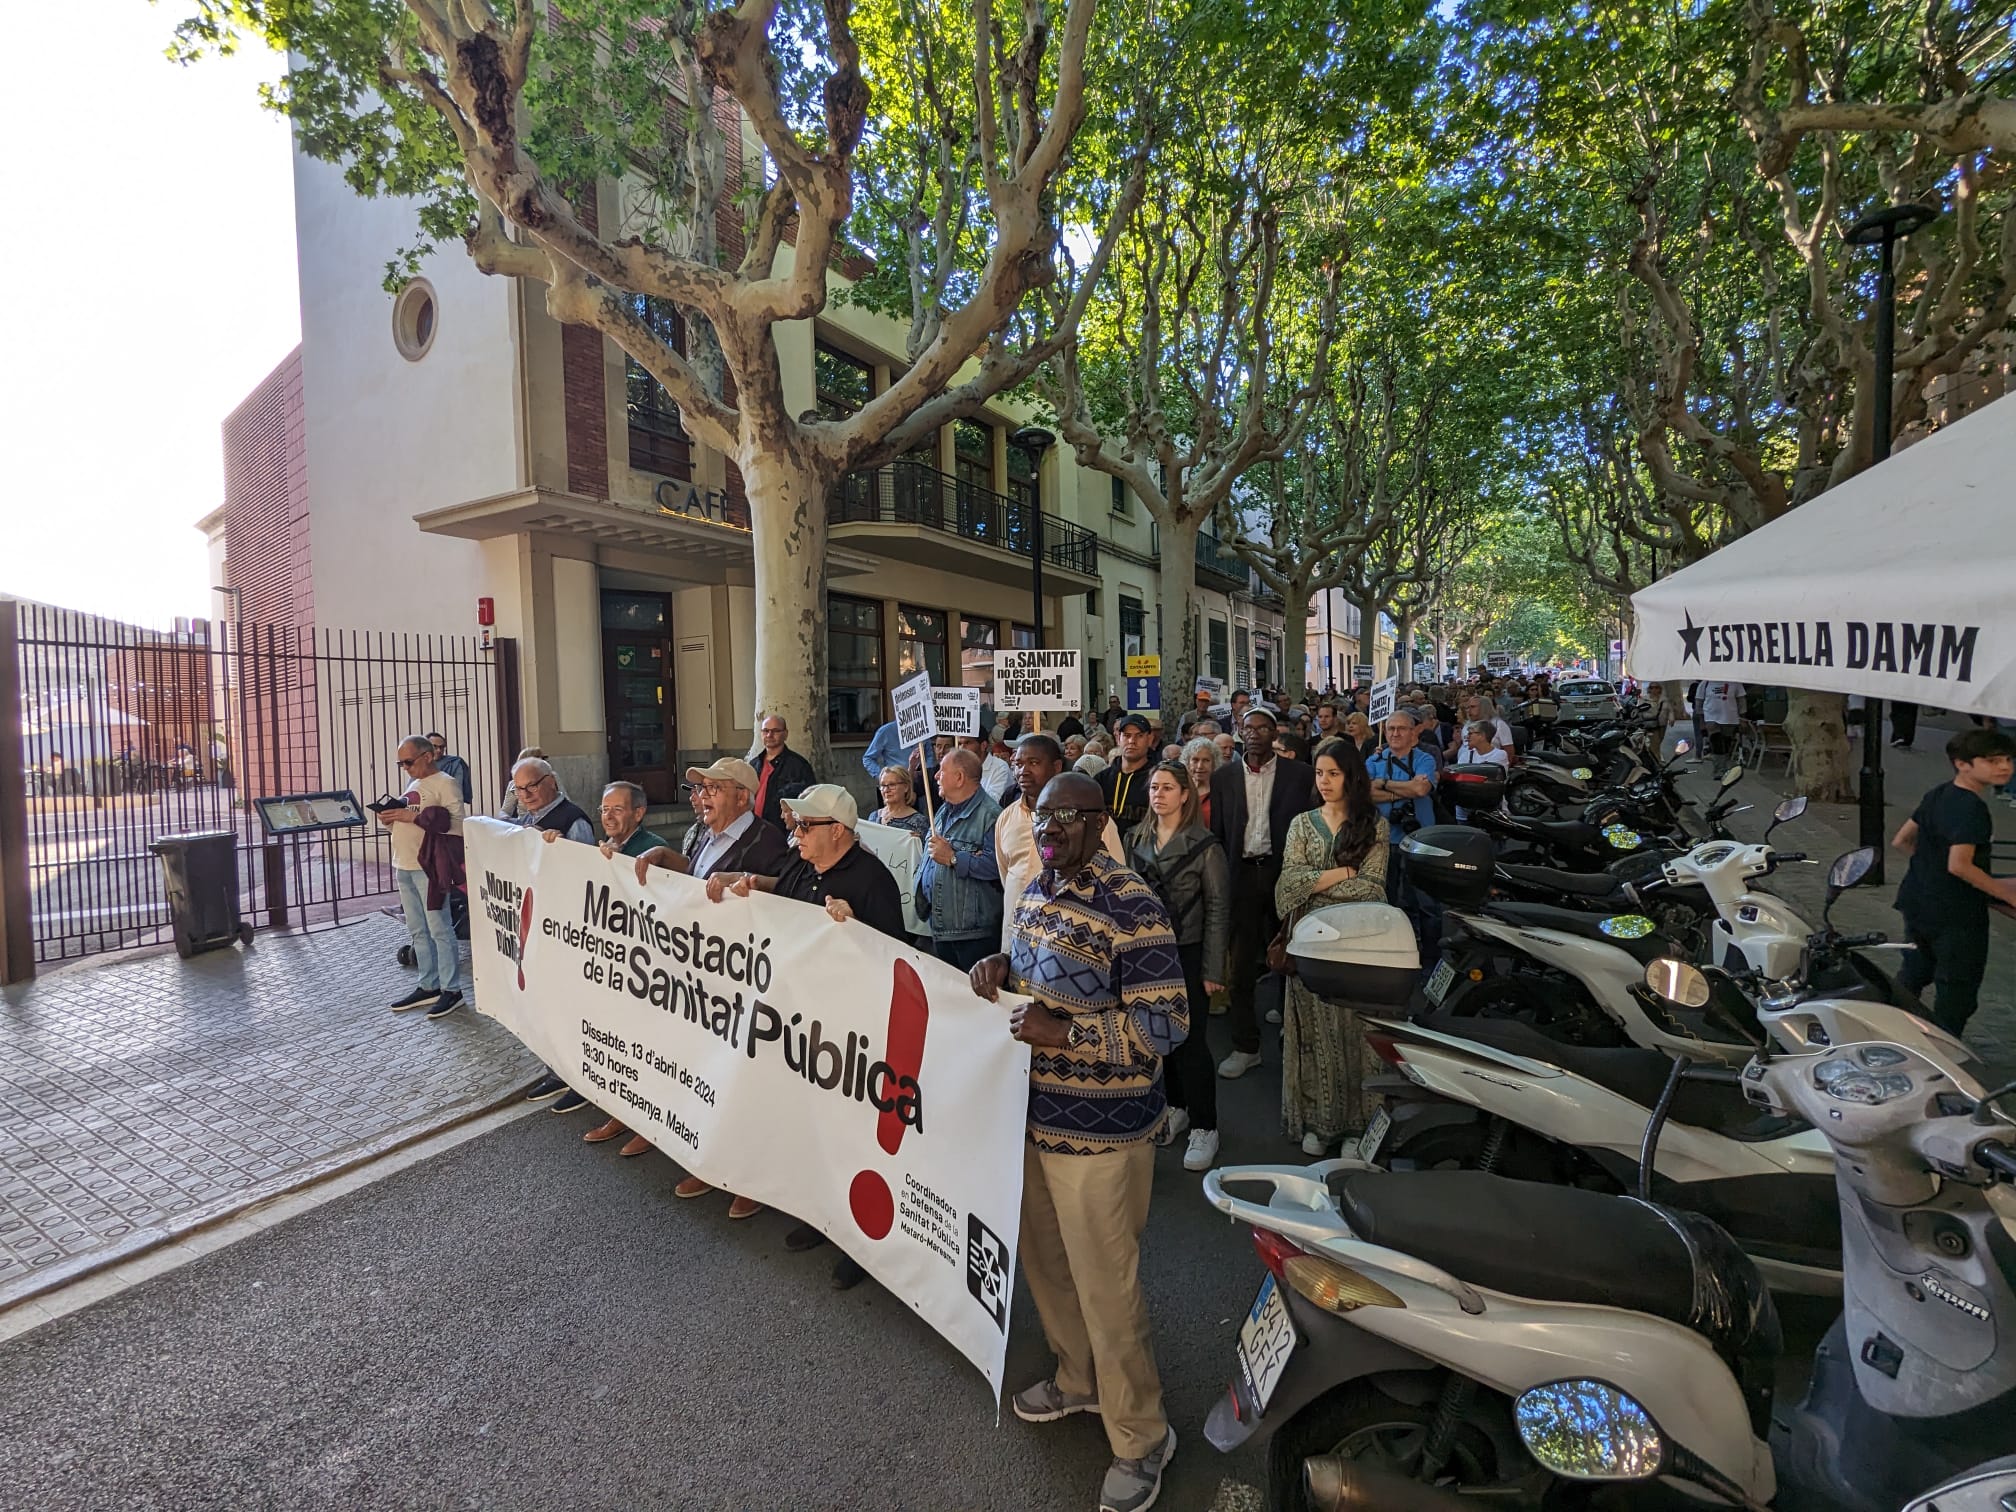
(1690,638)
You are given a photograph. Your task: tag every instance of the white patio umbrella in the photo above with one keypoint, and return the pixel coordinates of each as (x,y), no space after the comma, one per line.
(1901,583)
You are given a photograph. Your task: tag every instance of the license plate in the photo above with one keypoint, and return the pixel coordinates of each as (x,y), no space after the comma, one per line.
(1375,1135)
(1439,983)
(1266,1340)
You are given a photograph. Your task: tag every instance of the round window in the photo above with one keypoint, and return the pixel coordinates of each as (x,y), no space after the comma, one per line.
(413,319)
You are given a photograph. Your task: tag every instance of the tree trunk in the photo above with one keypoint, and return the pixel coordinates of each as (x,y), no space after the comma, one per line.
(1368,642)
(1441,655)
(1178,596)
(1295,636)
(1819,732)
(787,512)
(1403,648)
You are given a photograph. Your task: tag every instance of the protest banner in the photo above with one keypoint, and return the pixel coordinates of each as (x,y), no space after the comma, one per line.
(1383,695)
(818,1067)
(955,711)
(1362,672)
(911,700)
(1032,681)
(902,852)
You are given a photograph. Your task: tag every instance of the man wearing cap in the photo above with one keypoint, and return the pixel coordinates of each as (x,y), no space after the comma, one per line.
(833,871)
(1125,782)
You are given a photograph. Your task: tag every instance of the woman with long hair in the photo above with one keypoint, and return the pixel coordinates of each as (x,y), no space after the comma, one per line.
(1182,860)
(1335,853)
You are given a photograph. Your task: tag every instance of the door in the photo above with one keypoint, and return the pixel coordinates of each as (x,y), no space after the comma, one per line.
(637,690)
(696,690)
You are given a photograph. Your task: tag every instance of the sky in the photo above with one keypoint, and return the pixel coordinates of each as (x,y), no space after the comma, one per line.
(149,267)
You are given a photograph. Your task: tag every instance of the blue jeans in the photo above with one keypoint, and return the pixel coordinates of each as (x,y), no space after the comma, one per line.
(432,933)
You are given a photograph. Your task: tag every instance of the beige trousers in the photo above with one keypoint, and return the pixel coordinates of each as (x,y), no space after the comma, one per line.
(1082,1217)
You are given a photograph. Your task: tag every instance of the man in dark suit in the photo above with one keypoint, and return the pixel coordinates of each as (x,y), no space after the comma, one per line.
(1252,802)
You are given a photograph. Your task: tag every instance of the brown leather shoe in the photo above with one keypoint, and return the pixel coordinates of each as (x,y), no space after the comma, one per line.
(602,1133)
(742,1207)
(692,1186)
(637,1146)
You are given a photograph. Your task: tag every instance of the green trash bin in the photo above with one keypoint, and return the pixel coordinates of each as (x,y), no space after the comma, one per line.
(200,872)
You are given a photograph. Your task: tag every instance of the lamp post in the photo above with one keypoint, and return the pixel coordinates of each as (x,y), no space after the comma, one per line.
(1035,440)
(1882,229)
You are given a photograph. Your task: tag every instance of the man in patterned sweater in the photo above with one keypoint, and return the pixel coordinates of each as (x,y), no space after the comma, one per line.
(1094,950)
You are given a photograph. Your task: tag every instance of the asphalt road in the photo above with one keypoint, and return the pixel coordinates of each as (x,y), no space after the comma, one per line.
(528,1322)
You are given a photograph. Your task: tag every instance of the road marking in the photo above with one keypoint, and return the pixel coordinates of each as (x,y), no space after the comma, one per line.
(47,1307)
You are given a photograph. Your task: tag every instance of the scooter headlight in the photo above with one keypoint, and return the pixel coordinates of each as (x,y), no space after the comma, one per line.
(1589,1431)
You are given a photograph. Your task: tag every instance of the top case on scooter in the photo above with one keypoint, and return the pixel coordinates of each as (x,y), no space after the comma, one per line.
(1451,863)
(1479,785)
(1357,953)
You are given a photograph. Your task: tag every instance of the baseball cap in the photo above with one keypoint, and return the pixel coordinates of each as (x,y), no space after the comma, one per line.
(1135,721)
(824,800)
(727,769)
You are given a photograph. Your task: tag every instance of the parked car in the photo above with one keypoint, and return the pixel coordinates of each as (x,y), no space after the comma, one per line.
(1584,699)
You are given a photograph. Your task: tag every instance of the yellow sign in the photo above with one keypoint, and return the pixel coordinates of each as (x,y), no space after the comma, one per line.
(1144,666)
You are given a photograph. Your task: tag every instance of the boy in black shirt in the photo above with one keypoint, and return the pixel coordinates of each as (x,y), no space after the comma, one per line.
(1946,892)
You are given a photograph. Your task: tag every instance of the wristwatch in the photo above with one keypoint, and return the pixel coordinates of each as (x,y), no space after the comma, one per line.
(1079,1036)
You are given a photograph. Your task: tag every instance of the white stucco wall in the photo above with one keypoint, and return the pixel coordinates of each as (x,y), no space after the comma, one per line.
(386,438)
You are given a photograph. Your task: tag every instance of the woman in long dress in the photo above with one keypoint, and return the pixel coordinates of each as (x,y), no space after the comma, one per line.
(1335,853)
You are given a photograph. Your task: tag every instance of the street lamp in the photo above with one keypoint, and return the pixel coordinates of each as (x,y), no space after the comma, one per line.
(1881,229)
(1035,440)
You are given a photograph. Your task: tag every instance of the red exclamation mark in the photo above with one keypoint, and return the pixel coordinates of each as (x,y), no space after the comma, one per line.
(868,1197)
(524,933)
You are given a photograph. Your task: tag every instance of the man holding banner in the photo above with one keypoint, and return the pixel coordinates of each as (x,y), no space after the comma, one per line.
(1094,950)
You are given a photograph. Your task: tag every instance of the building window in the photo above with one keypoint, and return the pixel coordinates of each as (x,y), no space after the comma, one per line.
(1023,486)
(1133,626)
(843,383)
(1095,679)
(853,665)
(1022,637)
(1092,602)
(977,642)
(973,459)
(658,442)
(414,316)
(1123,501)
(1242,652)
(1220,657)
(920,644)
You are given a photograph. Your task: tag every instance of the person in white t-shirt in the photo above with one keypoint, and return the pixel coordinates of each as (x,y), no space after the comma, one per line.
(1721,712)
(1481,748)
(432,930)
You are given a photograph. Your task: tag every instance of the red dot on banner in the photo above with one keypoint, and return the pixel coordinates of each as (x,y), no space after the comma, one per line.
(874,1209)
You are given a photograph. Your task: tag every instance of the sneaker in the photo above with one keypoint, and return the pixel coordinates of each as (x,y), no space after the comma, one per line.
(1132,1485)
(1238,1063)
(547,1086)
(1175,1124)
(419,997)
(1046,1401)
(1203,1151)
(448,1003)
(1315,1146)
(569,1102)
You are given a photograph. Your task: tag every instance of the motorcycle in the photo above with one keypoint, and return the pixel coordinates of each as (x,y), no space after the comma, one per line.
(1532,1344)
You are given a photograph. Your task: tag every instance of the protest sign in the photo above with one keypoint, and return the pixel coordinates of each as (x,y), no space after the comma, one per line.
(1212,686)
(819,1067)
(955,711)
(1383,695)
(1498,661)
(902,852)
(911,699)
(1363,672)
(1031,681)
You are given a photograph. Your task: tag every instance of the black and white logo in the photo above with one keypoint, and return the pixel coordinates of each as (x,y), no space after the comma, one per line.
(1908,648)
(987,1269)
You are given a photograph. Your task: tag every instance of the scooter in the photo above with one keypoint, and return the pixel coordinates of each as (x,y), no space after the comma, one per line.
(1530,1344)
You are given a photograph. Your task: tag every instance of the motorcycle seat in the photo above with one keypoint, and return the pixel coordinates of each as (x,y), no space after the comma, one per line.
(1564,1244)
(1575,834)
(1580,884)
(1631,1071)
(1646,947)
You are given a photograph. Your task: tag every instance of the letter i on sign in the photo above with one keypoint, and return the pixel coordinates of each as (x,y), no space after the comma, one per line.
(868,1197)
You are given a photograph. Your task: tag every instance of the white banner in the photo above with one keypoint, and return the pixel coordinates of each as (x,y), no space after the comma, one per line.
(820,1068)
(1383,694)
(903,853)
(912,701)
(955,711)
(1028,681)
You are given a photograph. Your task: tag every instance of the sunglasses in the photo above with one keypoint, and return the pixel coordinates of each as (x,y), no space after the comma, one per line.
(406,761)
(1058,816)
(799,827)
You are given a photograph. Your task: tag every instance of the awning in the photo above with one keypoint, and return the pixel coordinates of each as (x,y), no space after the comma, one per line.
(1900,583)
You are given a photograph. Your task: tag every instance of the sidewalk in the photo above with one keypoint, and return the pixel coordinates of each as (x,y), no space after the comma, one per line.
(1825,830)
(145,1096)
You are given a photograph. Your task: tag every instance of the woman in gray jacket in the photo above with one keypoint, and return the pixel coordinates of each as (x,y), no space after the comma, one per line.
(1181,859)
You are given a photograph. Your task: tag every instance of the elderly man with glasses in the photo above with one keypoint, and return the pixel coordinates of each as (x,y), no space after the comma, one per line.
(430,810)
(781,773)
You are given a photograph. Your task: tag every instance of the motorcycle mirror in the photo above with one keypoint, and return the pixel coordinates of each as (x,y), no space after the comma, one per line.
(1589,1431)
(1851,868)
(1733,776)
(1682,747)
(1678,982)
(1791,808)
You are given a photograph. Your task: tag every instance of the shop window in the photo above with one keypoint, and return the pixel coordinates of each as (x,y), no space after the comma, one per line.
(853,665)
(920,644)
(978,640)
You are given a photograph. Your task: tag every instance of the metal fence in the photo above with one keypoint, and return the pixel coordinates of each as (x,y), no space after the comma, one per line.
(127,734)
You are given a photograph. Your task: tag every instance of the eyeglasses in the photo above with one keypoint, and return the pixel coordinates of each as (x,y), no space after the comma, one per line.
(1058,816)
(799,827)
(521,787)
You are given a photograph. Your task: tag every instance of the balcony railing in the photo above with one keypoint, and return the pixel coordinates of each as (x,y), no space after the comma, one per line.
(909,493)
(1219,562)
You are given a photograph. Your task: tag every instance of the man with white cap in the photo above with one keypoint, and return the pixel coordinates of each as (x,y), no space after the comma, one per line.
(733,838)
(833,871)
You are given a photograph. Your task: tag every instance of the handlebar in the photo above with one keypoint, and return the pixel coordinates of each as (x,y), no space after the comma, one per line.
(1998,1158)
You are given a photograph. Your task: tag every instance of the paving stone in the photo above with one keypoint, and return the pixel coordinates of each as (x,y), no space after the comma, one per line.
(145,1091)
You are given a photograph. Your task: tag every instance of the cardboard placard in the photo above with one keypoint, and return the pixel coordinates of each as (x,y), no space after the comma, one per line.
(911,699)
(1030,681)
(1383,696)
(955,711)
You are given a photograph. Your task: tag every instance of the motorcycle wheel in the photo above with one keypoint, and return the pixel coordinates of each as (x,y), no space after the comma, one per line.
(1358,1421)
(1530,801)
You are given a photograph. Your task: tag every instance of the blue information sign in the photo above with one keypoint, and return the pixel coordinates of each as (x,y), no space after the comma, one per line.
(1144,694)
